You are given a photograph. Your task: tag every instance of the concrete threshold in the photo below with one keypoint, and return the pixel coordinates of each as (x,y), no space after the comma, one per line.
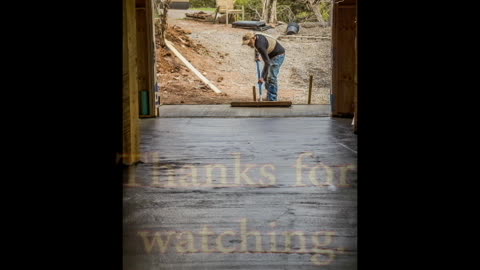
(226,111)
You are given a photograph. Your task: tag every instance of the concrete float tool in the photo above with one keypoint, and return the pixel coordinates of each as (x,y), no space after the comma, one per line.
(260,103)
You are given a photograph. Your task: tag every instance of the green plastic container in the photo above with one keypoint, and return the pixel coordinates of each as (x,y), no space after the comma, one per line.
(144,104)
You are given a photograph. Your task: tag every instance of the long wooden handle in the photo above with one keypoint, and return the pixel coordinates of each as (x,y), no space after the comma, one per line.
(259,84)
(310,90)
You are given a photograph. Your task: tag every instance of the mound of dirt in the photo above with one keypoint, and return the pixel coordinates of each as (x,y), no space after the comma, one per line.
(178,84)
(179,37)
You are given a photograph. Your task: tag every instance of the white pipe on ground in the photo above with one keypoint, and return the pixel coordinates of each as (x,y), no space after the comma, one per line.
(192,68)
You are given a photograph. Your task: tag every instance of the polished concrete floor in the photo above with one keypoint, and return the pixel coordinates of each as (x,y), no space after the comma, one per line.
(242,193)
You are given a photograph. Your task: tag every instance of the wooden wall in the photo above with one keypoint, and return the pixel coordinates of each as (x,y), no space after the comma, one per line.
(344,58)
(356,73)
(131,136)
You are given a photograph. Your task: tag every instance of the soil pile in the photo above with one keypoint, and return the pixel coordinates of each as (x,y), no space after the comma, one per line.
(178,84)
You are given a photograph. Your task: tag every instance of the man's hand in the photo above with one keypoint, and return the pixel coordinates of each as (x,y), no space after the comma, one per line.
(261,80)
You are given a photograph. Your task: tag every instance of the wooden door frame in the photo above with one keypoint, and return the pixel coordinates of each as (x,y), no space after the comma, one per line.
(335,95)
(150,61)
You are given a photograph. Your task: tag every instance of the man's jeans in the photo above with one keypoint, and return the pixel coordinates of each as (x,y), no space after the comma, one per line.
(271,85)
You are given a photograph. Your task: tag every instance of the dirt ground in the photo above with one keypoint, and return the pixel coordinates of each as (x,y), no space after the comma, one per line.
(216,51)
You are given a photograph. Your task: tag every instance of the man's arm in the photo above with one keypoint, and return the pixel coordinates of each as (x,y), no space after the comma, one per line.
(257,55)
(262,44)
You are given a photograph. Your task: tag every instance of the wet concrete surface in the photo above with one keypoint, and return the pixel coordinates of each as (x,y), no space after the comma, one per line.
(242,193)
(225,110)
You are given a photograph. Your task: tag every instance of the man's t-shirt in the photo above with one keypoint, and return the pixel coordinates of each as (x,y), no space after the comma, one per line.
(262,45)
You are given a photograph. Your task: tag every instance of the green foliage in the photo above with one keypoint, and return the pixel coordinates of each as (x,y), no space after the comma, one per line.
(202,3)
(304,16)
(294,11)
(252,8)
(245,3)
(295,5)
(287,10)
(325,10)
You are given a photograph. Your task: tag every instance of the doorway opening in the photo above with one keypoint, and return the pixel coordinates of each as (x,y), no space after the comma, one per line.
(201,35)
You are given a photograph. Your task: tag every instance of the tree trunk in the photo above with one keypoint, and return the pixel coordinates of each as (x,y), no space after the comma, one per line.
(315,6)
(164,25)
(330,19)
(269,13)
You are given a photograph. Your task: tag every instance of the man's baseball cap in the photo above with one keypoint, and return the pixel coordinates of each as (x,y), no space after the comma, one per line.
(247,37)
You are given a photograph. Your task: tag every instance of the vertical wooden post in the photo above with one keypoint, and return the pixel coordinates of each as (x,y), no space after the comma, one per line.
(152,63)
(254,94)
(355,114)
(310,90)
(333,51)
(343,59)
(142,58)
(131,132)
